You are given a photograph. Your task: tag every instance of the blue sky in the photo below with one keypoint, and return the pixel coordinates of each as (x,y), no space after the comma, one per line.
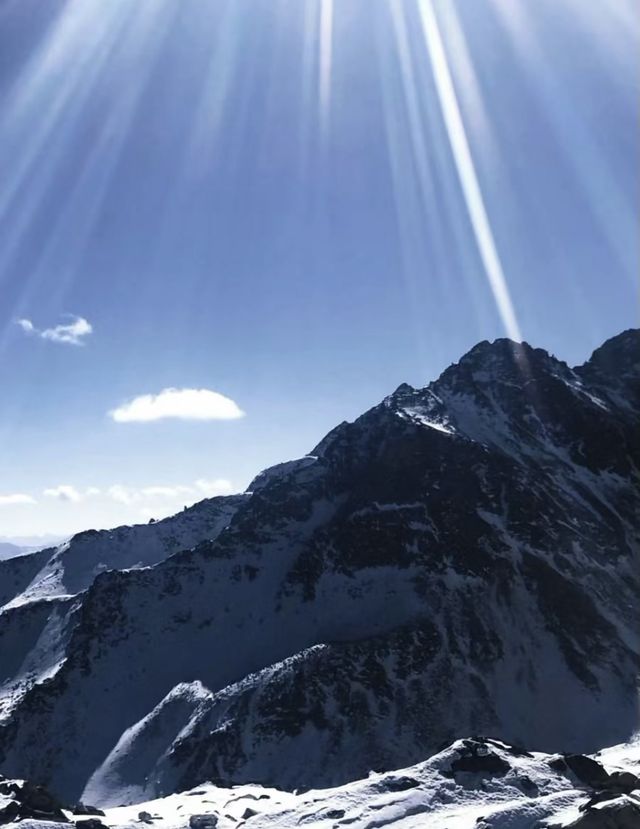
(297,205)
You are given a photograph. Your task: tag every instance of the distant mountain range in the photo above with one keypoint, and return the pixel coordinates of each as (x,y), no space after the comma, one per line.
(461,559)
(8,550)
(11,547)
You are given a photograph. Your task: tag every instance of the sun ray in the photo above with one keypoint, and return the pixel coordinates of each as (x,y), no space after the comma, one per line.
(325,65)
(466,170)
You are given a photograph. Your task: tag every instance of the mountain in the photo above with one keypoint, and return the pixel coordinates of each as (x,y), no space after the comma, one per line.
(461,559)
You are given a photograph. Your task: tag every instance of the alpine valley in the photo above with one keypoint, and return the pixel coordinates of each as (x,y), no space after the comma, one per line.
(461,560)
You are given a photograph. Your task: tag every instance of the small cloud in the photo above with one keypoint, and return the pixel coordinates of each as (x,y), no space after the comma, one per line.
(66,492)
(26,325)
(16,498)
(184,404)
(71,333)
(220,486)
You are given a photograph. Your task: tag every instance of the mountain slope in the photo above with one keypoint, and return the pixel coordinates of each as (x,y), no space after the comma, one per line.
(462,557)
(72,566)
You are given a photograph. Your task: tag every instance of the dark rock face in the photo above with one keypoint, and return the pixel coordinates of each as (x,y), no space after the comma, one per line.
(591,773)
(588,771)
(461,559)
(29,801)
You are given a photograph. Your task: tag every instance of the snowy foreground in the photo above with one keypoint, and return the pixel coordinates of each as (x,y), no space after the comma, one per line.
(479,783)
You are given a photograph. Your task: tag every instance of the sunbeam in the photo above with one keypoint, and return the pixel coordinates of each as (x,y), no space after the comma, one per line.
(325,44)
(466,170)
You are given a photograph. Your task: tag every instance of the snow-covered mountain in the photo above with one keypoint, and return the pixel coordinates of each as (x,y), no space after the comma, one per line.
(461,559)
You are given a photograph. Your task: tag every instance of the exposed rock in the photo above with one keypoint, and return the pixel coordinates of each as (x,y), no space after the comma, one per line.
(85,809)
(398,784)
(588,771)
(203,821)
(91,823)
(29,801)
(621,813)
(488,763)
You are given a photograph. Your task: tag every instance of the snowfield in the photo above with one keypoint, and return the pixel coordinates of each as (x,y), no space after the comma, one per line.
(473,784)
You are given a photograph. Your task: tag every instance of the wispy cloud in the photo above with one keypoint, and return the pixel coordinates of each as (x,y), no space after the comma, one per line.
(15,499)
(183,404)
(159,492)
(66,492)
(71,333)
(131,495)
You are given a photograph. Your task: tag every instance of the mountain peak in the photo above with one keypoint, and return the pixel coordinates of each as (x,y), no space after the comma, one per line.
(617,355)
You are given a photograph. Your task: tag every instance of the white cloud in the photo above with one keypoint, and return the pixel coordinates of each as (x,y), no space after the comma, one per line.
(66,492)
(26,325)
(220,486)
(159,492)
(16,498)
(184,404)
(71,333)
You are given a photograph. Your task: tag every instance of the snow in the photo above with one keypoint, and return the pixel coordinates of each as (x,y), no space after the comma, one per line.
(527,796)
(418,416)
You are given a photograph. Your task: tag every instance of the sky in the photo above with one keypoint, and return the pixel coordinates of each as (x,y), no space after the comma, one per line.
(228,225)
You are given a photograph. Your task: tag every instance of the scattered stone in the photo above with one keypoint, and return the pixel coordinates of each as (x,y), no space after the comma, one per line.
(145,817)
(91,823)
(84,809)
(203,822)
(398,784)
(248,812)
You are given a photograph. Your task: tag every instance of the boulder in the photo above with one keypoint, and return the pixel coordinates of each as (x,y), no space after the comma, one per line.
(85,809)
(203,822)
